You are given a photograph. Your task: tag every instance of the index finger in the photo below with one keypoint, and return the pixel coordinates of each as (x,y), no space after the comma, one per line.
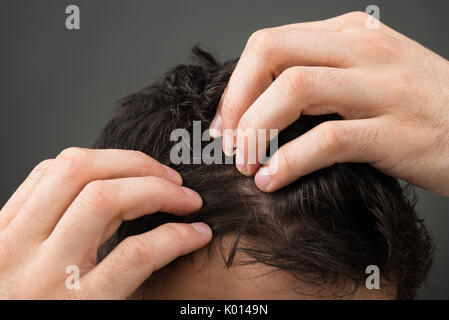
(267,54)
(70,172)
(136,257)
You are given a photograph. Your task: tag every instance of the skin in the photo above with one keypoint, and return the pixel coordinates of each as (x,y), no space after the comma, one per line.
(392,93)
(206,277)
(69,206)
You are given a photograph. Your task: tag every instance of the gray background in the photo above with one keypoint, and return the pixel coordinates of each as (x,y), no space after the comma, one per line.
(58,87)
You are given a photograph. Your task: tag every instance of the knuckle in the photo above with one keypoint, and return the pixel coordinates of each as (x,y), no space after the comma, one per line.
(261,42)
(73,154)
(368,136)
(43,165)
(71,160)
(357,17)
(137,250)
(176,232)
(229,106)
(142,157)
(294,80)
(160,184)
(40,169)
(97,195)
(330,140)
(335,77)
(285,160)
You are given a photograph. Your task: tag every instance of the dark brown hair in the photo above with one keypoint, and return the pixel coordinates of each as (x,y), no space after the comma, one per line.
(324,227)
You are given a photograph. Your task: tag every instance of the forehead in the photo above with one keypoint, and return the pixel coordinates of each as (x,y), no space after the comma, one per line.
(206,276)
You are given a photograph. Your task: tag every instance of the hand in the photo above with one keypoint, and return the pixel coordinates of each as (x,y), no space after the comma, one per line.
(392,93)
(71,205)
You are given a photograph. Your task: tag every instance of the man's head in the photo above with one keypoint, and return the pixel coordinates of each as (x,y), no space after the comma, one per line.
(313,238)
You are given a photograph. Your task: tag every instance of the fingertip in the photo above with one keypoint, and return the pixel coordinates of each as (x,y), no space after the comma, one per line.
(202,228)
(173,175)
(263,179)
(214,133)
(216,126)
(228,143)
(240,161)
(193,195)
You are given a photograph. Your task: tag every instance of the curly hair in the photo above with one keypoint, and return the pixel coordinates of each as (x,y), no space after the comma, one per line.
(324,227)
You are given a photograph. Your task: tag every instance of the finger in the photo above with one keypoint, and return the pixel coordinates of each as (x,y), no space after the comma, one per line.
(70,172)
(342,41)
(269,52)
(351,21)
(356,21)
(103,205)
(301,90)
(10,209)
(134,259)
(329,143)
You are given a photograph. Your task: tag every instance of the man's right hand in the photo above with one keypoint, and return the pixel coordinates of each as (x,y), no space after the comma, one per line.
(392,93)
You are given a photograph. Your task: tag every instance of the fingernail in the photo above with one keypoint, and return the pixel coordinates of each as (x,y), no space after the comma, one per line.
(240,161)
(216,126)
(202,228)
(192,194)
(228,143)
(229,152)
(173,175)
(262,178)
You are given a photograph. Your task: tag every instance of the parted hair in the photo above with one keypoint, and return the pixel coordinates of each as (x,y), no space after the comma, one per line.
(325,227)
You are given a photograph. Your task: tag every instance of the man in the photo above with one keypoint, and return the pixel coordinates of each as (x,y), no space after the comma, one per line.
(70,205)
(313,239)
